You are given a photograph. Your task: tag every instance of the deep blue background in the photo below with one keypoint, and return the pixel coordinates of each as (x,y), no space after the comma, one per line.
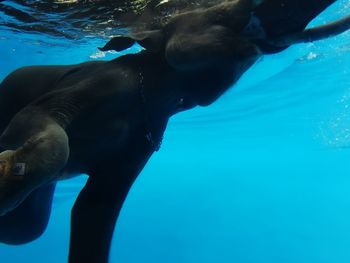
(262,175)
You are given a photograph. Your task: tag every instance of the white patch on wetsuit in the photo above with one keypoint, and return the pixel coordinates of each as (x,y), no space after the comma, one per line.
(19,169)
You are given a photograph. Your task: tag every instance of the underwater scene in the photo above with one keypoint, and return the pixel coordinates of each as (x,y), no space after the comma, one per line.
(260,176)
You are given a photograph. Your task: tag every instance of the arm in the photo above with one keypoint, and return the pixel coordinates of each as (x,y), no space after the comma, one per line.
(93,218)
(97,207)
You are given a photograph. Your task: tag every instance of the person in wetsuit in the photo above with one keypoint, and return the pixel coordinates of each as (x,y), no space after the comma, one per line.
(106,119)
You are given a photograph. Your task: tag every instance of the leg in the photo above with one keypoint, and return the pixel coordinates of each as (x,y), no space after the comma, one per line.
(93,219)
(29,220)
(39,150)
(96,210)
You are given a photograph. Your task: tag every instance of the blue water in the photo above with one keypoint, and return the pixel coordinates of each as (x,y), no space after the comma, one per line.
(261,176)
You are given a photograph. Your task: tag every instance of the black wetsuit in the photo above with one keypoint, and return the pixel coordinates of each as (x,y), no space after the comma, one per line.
(278,17)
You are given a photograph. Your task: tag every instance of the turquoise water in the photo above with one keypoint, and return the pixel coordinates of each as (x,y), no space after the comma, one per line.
(262,175)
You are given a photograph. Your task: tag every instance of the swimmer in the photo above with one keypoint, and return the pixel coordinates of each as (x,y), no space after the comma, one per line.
(106,119)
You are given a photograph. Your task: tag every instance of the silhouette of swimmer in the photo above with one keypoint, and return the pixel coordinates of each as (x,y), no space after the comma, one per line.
(106,119)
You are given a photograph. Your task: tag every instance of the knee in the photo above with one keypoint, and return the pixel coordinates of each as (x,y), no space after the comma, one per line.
(49,149)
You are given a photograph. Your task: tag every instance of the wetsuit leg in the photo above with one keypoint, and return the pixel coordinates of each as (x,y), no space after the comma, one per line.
(38,150)
(98,205)
(29,220)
